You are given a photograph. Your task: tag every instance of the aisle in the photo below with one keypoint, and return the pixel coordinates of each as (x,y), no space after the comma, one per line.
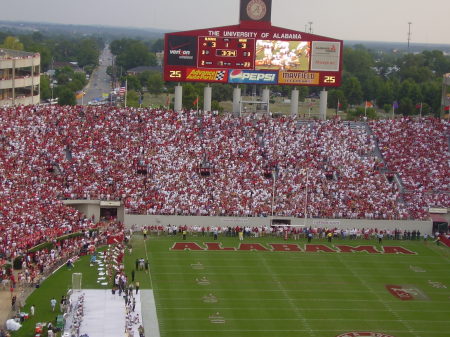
(104,314)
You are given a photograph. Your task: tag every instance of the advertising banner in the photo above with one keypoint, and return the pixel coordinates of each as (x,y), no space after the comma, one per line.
(253,77)
(298,77)
(207,75)
(325,56)
(182,50)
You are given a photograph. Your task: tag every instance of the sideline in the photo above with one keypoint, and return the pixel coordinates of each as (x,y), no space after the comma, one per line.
(149,314)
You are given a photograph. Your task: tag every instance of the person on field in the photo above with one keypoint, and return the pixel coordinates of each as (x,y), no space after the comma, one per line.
(380,237)
(53,303)
(144,231)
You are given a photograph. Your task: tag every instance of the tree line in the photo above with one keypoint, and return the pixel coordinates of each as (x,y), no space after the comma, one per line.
(408,81)
(85,51)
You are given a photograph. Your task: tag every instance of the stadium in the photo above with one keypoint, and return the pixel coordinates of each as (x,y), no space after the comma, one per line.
(174,222)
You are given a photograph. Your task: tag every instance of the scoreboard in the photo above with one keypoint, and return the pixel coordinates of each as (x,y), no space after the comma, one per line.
(270,55)
(226,52)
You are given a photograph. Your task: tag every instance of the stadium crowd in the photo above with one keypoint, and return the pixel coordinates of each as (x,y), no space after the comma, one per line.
(419,152)
(154,160)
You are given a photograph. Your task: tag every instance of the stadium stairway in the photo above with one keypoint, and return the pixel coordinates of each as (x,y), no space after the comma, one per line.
(377,153)
(445,240)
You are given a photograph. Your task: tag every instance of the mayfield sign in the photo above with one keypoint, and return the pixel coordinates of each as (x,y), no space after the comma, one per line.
(364,334)
(290,247)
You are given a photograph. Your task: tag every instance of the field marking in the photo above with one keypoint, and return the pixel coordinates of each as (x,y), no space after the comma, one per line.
(315,299)
(153,324)
(386,305)
(430,292)
(288,298)
(309,309)
(285,330)
(283,290)
(146,256)
(311,319)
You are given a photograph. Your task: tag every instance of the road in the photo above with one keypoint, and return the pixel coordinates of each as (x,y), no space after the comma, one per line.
(100,82)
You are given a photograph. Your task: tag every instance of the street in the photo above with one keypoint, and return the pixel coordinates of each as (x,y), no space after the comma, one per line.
(100,82)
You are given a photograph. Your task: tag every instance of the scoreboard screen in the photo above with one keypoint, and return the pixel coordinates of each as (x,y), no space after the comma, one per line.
(229,53)
(235,55)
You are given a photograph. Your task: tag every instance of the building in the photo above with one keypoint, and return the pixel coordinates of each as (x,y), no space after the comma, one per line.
(445,100)
(19,77)
(141,69)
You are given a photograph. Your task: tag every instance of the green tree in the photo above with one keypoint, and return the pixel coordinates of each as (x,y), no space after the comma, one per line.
(410,89)
(431,92)
(155,83)
(386,94)
(406,106)
(358,61)
(157,46)
(132,53)
(359,112)
(46,91)
(132,99)
(65,96)
(352,89)
(133,83)
(88,53)
(11,42)
(437,62)
(190,94)
(222,92)
(64,75)
(335,96)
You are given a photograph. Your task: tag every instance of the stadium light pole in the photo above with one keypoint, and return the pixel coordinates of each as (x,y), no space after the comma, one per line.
(310,26)
(409,34)
(274,178)
(306,197)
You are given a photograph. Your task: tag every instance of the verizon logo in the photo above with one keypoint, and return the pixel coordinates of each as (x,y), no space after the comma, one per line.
(180,52)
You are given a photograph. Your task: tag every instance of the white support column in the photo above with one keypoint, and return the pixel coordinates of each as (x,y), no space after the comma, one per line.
(32,81)
(323,104)
(207,97)
(294,102)
(178,98)
(237,101)
(266,95)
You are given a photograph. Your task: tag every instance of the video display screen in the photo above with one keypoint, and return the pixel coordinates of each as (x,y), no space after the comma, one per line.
(282,55)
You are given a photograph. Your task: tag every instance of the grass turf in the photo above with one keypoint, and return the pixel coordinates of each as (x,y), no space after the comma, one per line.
(266,293)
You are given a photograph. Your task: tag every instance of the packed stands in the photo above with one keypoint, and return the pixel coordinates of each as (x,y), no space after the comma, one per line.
(419,152)
(162,162)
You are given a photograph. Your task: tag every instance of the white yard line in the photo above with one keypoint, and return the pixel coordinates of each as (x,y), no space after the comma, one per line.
(384,303)
(149,314)
(288,298)
(289,330)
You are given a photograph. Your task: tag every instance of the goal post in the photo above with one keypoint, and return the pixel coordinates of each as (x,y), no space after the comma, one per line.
(76,281)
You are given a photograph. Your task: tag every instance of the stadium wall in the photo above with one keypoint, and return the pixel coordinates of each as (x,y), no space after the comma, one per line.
(425,227)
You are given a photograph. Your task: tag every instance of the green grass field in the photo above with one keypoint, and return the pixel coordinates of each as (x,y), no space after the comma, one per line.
(272,293)
(266,293)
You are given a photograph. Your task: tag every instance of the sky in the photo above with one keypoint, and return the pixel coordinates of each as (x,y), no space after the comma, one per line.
(381,20)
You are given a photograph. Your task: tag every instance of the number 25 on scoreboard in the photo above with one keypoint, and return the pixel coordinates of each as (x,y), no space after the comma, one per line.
(329,79)
(175,74)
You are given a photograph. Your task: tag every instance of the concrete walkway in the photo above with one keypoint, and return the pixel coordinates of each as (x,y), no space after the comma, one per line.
(149,317)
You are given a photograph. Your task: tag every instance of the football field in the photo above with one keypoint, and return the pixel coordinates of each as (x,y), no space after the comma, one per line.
(269,287)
